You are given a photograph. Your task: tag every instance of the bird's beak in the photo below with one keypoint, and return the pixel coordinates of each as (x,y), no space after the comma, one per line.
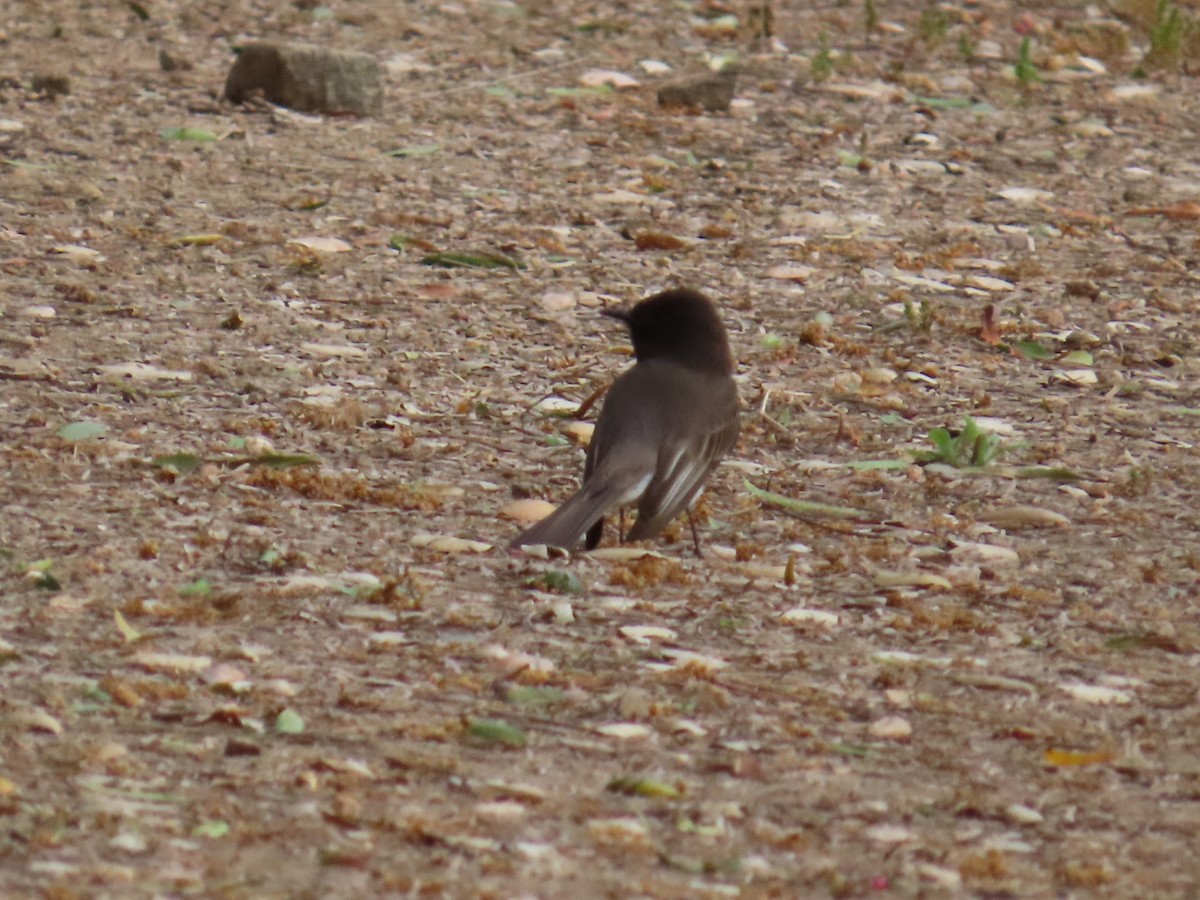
(616,312)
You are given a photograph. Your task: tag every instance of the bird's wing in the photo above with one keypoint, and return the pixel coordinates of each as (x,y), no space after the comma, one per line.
(683,467)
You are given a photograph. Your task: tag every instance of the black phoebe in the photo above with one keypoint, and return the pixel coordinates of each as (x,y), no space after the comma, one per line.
(665,424)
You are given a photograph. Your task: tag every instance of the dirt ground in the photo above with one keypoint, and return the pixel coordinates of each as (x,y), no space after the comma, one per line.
(259,635)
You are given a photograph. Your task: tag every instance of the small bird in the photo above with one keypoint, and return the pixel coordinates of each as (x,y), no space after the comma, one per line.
(665,425)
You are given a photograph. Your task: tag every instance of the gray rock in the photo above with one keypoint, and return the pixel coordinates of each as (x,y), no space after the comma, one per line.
(712,93)
(308,79)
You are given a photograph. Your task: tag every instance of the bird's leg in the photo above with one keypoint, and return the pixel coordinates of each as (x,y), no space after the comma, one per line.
(621,525)
(594,534)
(695,535)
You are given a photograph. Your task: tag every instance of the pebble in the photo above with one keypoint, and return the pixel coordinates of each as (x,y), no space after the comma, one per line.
(895,728)
(712,93)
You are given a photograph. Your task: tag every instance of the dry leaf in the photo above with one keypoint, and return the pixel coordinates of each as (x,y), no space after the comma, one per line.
(144,372)
(989,331)
(1179,212)
(657,240)
(321,244)
(624,554)
(1098,694)
(891,728)
(580,432)
(644,634)
(624,730)
(35,720)
(911,579)
(444,543)
(800,615)
(1063,758)
(602,77)
(332,351)
(1016,517)
(790,272)
(173,662)
(527,510)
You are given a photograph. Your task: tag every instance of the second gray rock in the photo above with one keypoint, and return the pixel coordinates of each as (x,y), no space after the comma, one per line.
(307,78)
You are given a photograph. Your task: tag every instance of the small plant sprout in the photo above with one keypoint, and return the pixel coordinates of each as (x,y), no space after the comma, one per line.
(1166,36)
(919,316)
(934,24)
(972,447)
(822,62)
(1026,71)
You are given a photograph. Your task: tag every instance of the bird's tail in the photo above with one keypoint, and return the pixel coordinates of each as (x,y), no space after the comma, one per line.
(567,524)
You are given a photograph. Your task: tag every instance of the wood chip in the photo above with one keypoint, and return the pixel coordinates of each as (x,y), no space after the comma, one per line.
(1018,517)
(1097,694)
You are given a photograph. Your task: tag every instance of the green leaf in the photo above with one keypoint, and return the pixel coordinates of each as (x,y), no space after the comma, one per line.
(1032,350)
(607,27)
(128,632)
(398,242)
(289,722)
(801,507)
(180,462)
(82,431)
(26,164)
(531,695)
(972,447)
(597,91)
(1078,358)
(944,102)
(1127,643)
(557,582)
(199,135)
(275,460)
(638,786)
(201,587)
(496,731)
(194,240)
(213,828)
(985,449)
(1025,69)
(472,261)
(414,150)
(871,465)
(944,444)
(851,749)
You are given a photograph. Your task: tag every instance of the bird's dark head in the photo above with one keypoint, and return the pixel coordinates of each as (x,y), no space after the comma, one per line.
(679,325)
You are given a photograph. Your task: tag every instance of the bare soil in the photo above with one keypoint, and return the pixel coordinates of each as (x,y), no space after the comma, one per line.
(294,660)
